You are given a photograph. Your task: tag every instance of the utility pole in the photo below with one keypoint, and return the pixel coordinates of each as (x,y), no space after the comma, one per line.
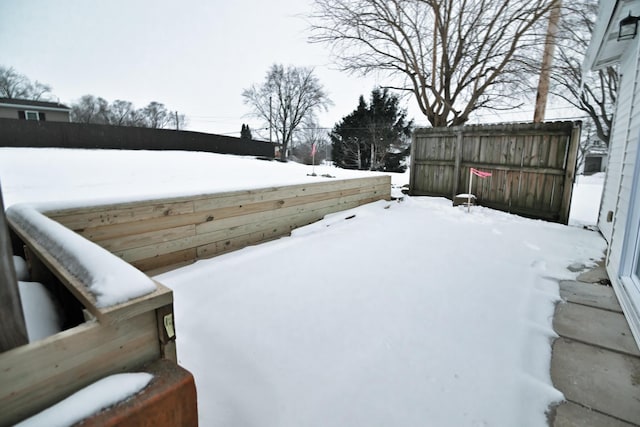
(177,122)
(270,117)
(547,59)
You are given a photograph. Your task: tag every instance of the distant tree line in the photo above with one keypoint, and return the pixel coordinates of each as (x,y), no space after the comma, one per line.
(92,109)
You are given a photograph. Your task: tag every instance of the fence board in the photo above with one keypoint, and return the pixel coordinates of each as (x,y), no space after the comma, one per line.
(533,165)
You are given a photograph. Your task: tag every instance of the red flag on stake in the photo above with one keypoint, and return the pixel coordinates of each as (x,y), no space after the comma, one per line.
(481,174)
(476,172)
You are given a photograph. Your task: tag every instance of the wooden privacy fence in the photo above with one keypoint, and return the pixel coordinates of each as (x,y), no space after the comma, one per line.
(532,165)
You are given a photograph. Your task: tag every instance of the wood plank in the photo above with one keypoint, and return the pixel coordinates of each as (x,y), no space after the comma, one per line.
(123,212)
(108,215)
(235,207)
(147,303)
(218,230)
(287,207)
(107,232)
(155,263)
(276,193)
(13,330)
(272,230)
(37,375)
(145,239)
(158,298)
(571,156)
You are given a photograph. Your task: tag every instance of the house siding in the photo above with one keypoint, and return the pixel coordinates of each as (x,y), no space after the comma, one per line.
(617,148)
(626,144)
(51,115)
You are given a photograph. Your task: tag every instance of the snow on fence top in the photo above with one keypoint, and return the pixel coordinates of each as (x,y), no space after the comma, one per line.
(108,278)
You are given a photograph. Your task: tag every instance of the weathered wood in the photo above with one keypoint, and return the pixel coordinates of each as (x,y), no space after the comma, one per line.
(77,219)
(151,240)
(570,166)
(162,263)
(227,228)
(527,162)
(13,331)
(35,376)
(79,290)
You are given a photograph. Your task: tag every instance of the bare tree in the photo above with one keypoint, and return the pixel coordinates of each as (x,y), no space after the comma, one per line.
(18,86)
(594,94)
(285,99)
(123,113)
(157,116)
(454,56)
(90,109)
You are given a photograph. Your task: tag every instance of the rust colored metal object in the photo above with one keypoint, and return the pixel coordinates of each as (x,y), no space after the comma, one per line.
(169,400)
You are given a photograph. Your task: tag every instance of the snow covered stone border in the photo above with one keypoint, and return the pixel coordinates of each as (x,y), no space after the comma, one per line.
(109,279)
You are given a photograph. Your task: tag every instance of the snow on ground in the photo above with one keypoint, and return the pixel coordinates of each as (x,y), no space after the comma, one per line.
(408,314)
(83,176)
(585,201)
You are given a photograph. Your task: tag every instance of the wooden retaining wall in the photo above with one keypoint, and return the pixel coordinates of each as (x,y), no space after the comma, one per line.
(153,236)
(532,165)
(114,339)
(161,234)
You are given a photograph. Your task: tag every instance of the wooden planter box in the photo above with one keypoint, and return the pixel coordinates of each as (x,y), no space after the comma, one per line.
(153,236)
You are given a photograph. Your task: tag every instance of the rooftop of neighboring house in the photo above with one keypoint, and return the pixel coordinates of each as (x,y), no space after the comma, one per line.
(13,102)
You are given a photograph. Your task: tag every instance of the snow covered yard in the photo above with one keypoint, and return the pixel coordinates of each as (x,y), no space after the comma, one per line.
(406,314)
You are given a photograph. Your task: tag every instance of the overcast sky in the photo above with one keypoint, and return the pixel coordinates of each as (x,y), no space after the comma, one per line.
(195,56)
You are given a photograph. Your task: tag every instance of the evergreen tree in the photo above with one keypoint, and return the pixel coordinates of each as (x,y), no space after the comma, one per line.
(245,132)
(371,136)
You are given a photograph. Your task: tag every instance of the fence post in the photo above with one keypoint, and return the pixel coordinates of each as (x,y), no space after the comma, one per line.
(13,332)
(570,169)
(458,160)
(412,164)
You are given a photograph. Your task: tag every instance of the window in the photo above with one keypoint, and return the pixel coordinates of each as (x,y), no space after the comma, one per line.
(31,115)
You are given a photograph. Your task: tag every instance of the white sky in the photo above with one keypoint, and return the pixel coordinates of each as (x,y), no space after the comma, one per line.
(195,56)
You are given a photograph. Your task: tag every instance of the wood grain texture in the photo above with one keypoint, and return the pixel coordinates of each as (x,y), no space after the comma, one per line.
(37,375)
(532,165)
(152,235)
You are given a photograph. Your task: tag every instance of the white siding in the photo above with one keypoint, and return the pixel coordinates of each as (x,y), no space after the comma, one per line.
(626,144)
(617,145)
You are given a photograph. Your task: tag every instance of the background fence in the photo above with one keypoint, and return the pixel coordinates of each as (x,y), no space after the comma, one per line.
(26,133)
(532,165)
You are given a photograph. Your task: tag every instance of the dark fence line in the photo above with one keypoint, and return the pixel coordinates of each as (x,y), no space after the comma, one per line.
(25,133)
(532,165)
